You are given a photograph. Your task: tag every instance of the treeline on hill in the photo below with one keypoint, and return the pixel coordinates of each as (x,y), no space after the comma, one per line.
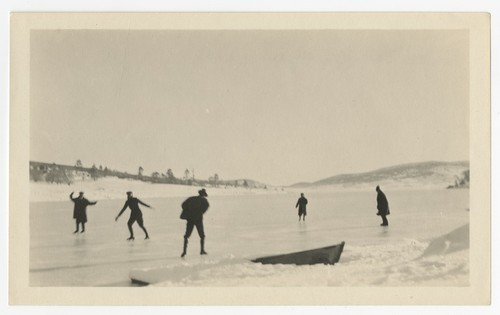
(66,174)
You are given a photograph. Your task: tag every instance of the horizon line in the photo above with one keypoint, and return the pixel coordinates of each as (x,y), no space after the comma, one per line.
(295,183)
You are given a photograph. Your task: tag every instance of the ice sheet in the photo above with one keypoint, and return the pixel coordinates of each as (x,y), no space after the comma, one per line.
(241,227)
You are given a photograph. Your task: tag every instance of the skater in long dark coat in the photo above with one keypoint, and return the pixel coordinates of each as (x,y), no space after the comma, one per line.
(135,214)
(193,209)
(301,203)
(80,210)
(382,206)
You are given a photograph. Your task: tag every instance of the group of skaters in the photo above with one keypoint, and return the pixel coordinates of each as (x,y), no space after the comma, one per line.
(193,209)
(382,206)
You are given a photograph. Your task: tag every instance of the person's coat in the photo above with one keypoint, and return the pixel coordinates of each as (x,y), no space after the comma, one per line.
(382,204)
(193,208)
(301,203)
(80,209)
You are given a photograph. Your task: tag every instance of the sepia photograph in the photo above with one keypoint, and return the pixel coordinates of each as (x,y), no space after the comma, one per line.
(236,153)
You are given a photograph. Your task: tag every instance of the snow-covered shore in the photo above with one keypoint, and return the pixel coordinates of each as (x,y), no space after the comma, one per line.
(109,188)
(443,261)
(115,188)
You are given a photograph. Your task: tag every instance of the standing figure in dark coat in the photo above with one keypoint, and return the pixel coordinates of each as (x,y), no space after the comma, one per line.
(382,206)
(80,210)
(193,209)
(301,203)
(135,214)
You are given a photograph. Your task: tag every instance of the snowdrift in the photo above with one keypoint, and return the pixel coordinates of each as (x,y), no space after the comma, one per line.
(115,188)
(443,261)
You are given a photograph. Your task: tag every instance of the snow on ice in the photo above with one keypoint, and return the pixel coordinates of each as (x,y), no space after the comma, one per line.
(409,263)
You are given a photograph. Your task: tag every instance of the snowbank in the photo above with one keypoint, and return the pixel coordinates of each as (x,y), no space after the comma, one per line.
(115,188)
(444,261)
(456,240)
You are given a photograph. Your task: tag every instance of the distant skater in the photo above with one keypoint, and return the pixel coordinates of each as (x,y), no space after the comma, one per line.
(382,206)
(193,209)
(301,203)
(80,210)
(135,214)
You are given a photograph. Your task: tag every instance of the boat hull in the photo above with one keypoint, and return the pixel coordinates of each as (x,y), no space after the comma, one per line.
(325,255)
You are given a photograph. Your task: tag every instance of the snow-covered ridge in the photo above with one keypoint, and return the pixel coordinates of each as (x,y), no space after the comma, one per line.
(427,175)
(416,175)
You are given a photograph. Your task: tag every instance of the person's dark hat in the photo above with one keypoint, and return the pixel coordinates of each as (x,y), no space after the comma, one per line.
(203,192)
(81,193)
(129,193)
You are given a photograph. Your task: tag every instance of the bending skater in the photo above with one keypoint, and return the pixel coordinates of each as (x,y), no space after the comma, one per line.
(301,203)
(80,210)
(135,214)
(382,206)
(193,209)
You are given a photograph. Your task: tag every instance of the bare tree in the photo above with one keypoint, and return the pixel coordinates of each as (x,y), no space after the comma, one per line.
(187,174)
(170,174)
(93,172)
(216,179)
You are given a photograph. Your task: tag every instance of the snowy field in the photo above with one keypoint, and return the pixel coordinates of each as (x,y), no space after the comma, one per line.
(115,188)
(417,249)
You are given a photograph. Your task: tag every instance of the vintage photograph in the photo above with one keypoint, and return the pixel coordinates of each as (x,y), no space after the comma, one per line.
(181,157)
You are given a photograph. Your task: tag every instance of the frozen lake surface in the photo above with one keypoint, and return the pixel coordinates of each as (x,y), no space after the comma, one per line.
(240,228)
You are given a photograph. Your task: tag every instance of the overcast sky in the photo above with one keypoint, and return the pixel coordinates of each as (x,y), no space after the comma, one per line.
(275,106)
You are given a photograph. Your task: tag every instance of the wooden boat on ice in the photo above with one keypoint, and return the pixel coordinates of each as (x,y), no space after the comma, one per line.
(326,255)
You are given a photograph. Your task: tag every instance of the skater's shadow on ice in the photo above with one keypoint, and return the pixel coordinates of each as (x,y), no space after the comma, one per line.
(302,228)
(79,241)
(384,232)
(364,227)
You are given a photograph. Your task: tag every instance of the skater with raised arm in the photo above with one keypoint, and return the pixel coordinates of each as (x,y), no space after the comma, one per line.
(80,210)
(135,214)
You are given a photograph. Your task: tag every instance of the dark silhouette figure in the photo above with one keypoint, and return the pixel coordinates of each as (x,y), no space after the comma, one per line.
(80,210)
(382,206)
(193,209)
(135,214)
(301,203)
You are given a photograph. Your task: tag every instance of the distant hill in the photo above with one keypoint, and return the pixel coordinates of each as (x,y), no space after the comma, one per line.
(425,174)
